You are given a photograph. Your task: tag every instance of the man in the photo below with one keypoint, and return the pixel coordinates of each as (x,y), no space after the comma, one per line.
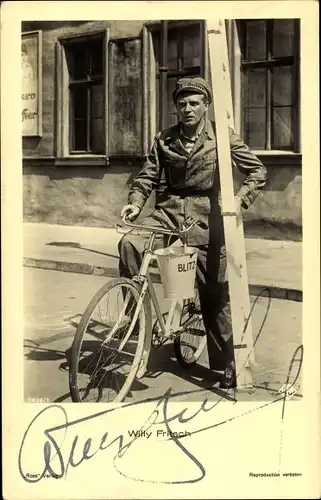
(186,153)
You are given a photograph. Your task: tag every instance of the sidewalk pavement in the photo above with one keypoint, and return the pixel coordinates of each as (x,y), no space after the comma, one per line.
(276,265)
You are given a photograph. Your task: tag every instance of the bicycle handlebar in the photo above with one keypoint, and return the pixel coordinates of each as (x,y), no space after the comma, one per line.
(188,223)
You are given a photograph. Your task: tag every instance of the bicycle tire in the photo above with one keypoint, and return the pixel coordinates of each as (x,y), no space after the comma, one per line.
(145,323)
(185,361)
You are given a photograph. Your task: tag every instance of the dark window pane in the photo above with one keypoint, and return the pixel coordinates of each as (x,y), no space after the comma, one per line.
(97,101)
(255,87)
(77,61)
(191,46)
(96,57)
(97,122)
(172,51)
(97,135)
(282,137)
(79,101)
(172,116)
(80,135)
(78,119)
(283,37)
(255,123)
(255,40)
(283,86)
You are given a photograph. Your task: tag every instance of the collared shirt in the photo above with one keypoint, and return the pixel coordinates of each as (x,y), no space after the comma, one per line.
(187,142)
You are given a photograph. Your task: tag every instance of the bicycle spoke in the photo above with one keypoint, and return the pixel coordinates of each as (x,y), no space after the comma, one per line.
(110,347)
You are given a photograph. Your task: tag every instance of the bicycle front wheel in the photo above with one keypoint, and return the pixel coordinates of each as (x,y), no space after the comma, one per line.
(108,343)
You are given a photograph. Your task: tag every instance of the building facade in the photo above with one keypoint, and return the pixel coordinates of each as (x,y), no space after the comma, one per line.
(103,89)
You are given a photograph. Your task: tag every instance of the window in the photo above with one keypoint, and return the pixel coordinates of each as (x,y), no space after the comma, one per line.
(270,84)
(178,50)
(85,62)
(82,98)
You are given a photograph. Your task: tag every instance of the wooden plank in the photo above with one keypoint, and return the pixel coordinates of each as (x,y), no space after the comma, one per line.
(145,69)
(152,120)
(106,94)
(245,296)
(235,254)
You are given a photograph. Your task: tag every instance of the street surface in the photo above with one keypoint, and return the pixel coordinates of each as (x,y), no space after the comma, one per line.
(54,302)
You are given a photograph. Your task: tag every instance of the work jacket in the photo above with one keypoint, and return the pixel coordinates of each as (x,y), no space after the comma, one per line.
(191,184)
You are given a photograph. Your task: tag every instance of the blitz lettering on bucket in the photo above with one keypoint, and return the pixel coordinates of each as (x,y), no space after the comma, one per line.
(187,266)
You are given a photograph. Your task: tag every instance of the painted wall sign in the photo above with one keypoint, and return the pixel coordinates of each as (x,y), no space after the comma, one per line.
(31,113)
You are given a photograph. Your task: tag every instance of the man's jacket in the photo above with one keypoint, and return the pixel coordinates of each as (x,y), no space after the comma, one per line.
(192,185)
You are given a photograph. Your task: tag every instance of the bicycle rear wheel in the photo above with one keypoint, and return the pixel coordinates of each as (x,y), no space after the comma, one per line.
(190,344)
(108,343)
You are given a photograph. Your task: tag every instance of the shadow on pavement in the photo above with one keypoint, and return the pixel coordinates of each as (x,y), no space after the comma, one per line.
(34,352)
(162,361)
(72,244)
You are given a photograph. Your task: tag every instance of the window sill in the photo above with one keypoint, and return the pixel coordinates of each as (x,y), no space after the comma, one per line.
(82,160)
(274,152)
(279,158)
(86,161)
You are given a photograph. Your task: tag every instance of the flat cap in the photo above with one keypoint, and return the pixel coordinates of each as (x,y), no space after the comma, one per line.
(197,85)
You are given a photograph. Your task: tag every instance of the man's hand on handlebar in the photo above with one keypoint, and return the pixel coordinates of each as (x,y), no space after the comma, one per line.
(131,212)
(189,222)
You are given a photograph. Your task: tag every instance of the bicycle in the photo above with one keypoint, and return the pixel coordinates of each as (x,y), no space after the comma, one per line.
(119,326)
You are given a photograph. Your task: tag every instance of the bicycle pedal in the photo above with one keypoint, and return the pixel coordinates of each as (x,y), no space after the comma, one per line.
(193,309)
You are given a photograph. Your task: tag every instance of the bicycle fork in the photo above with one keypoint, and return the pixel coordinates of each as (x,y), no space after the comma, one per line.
(135,316)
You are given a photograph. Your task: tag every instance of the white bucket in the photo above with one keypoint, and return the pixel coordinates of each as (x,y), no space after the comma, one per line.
(177,266)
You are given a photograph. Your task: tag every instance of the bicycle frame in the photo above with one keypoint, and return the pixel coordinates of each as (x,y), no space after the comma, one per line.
(171,327)
(172,324)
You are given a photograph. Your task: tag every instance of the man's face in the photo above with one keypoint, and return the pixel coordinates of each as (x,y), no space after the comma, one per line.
(191,108)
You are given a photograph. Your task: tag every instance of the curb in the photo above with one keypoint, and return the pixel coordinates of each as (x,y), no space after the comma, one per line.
(274,292)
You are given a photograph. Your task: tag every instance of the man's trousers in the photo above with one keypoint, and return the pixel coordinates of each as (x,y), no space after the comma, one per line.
(213,291)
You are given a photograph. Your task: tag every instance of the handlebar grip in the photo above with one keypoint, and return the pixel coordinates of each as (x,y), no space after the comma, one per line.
(126,221)
(190,222)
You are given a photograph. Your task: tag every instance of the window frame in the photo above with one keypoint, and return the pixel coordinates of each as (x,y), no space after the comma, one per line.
(87,83)
(63,153)
(161,29)
(269,64)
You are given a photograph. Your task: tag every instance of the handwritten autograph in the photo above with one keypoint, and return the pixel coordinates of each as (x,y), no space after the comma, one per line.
(56,463)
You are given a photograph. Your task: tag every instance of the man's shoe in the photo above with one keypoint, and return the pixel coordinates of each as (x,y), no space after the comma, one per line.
(228,380)
(212,378)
